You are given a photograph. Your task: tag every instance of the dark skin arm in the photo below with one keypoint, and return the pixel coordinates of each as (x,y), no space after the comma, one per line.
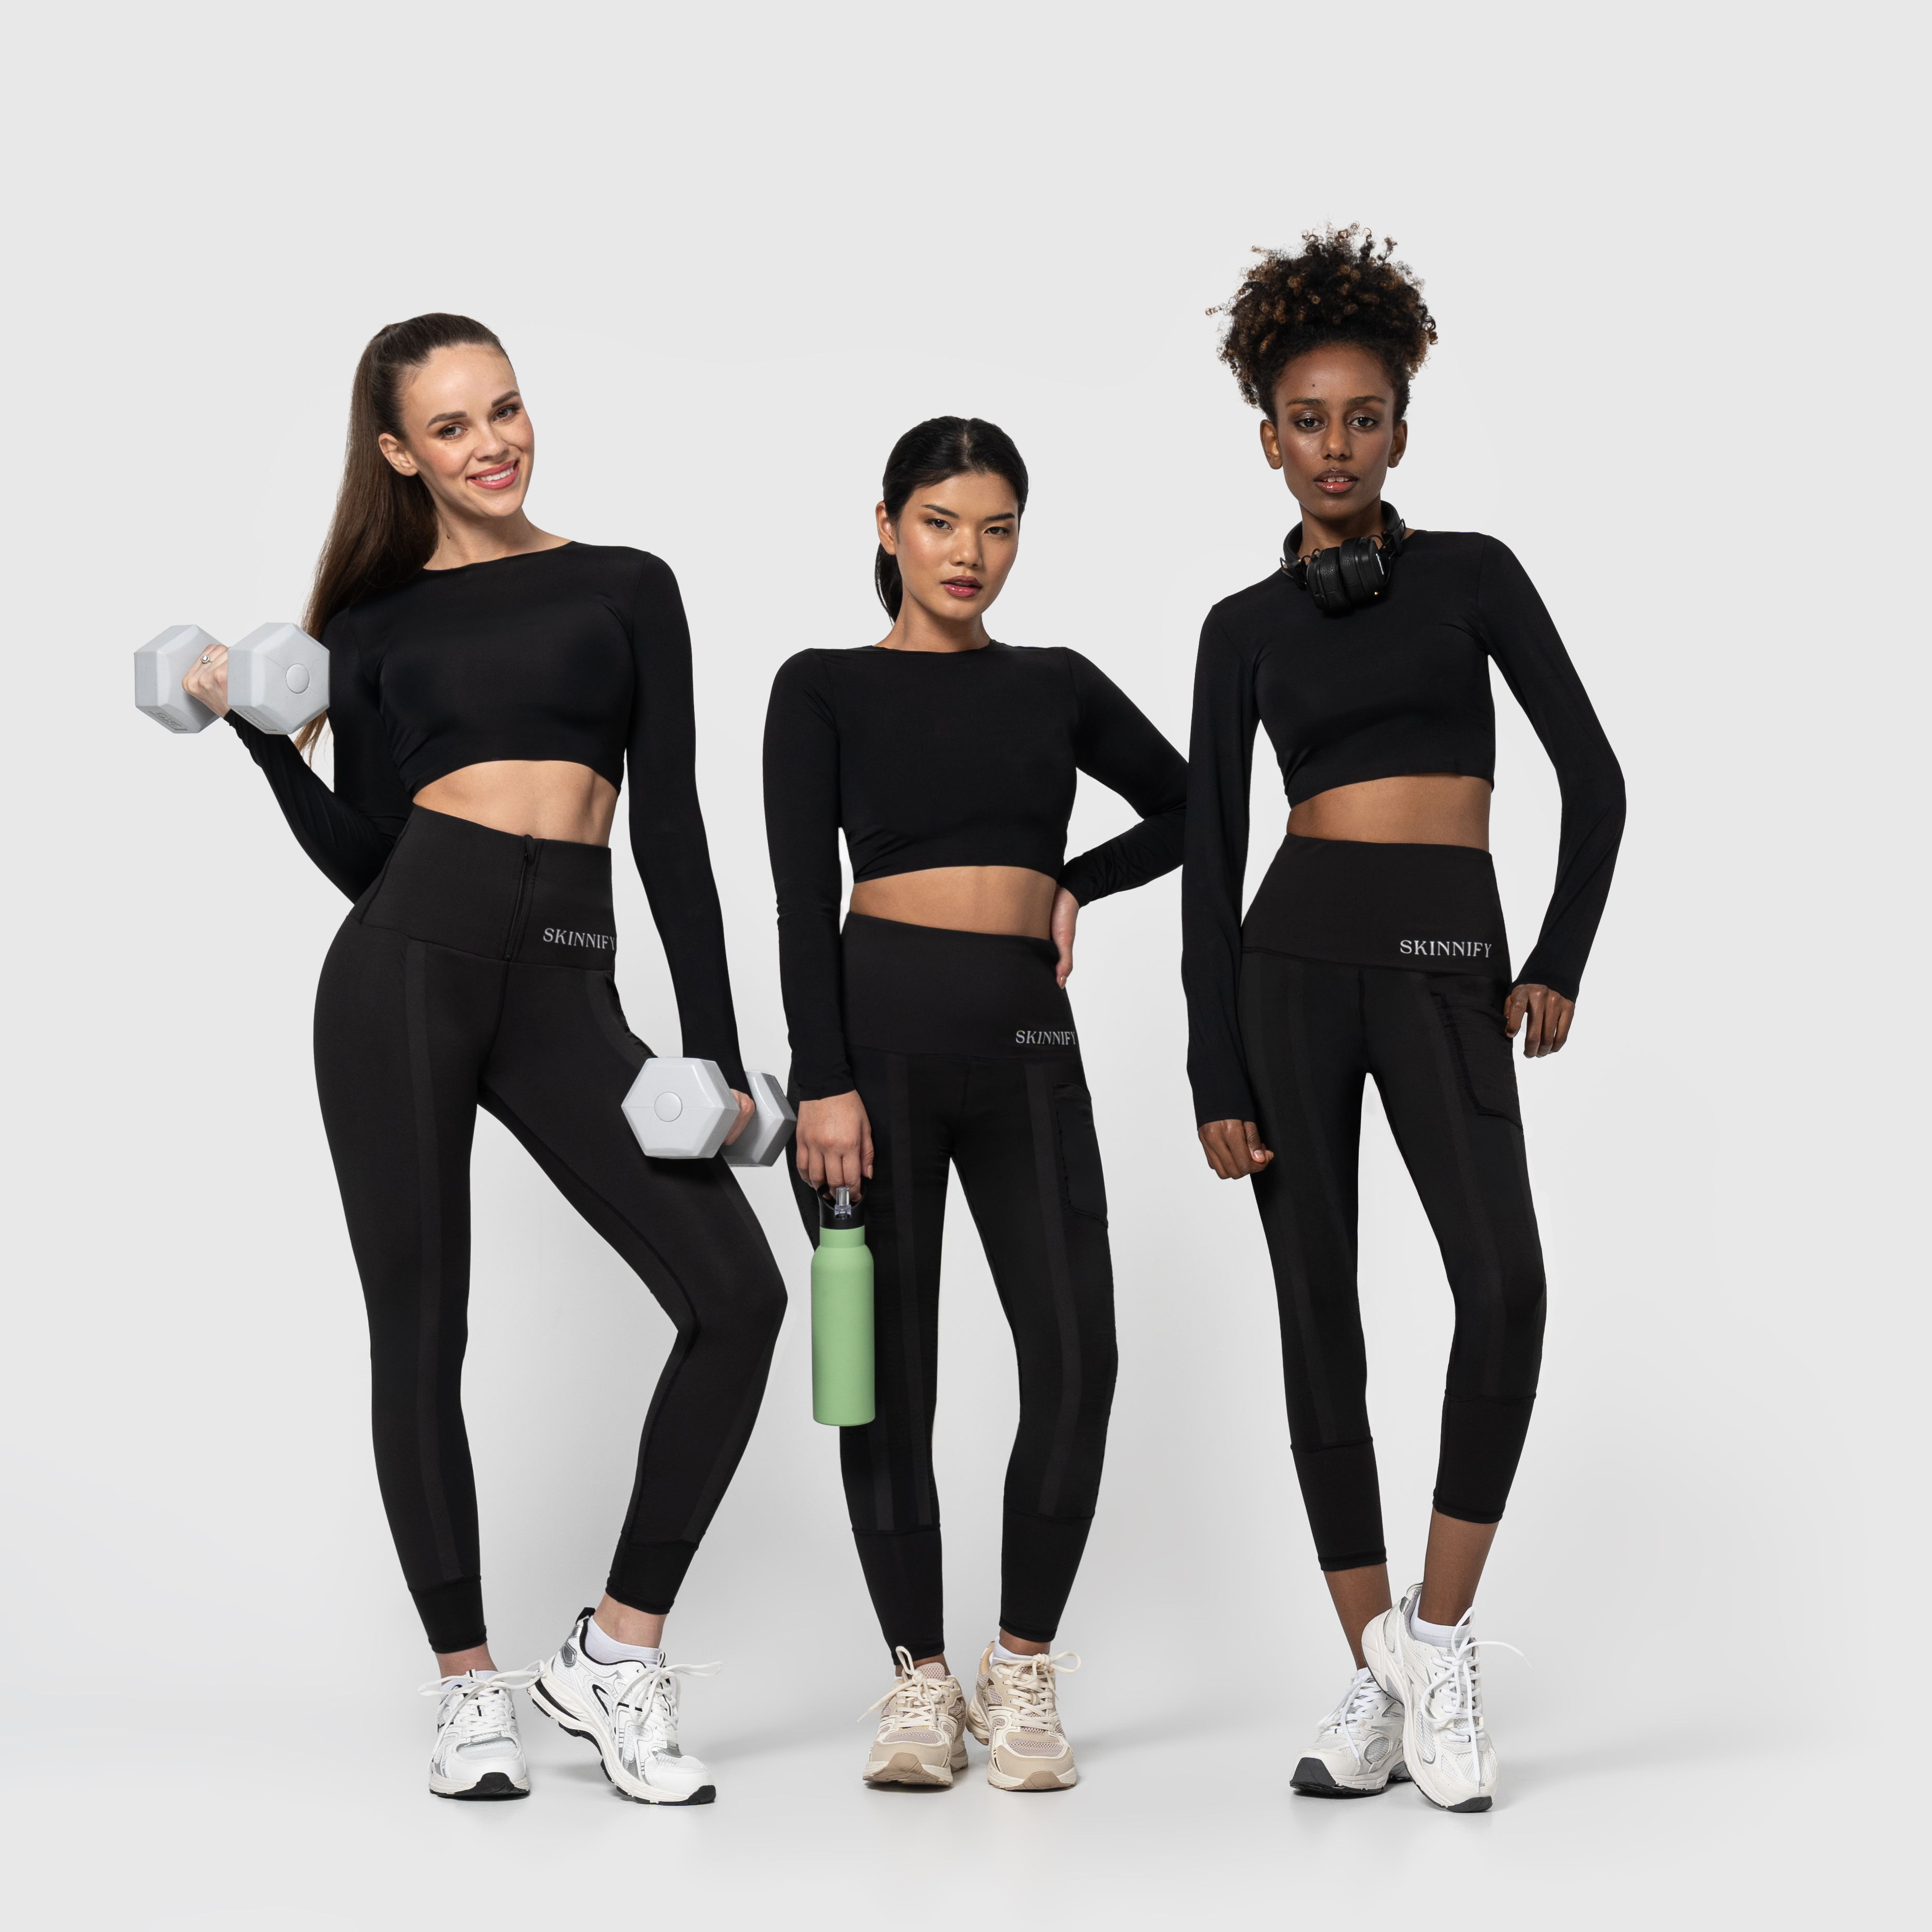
(1234,1147)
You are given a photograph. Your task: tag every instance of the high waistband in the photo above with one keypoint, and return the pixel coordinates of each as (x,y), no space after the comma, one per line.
(928,989)
(537,902)
(1427,908)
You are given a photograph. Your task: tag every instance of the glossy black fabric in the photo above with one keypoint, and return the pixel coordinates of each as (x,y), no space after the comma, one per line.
(1434,1046)
(1400,688)
(930,758)
(1001,1097)
(580,653)
(476,971)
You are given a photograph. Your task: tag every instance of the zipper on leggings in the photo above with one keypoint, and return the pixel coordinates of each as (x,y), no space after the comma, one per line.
(516,931)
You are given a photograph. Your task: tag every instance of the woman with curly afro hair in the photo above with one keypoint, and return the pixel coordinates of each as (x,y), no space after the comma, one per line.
(1375,948)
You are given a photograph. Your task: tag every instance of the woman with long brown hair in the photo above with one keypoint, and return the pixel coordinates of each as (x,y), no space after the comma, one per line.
(489,683)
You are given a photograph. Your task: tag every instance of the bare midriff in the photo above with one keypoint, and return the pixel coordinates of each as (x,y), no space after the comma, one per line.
(533,798)
(963,899)
(1428,808)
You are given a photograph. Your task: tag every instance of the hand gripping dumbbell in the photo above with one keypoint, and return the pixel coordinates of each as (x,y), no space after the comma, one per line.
(277,678)
(683,1109)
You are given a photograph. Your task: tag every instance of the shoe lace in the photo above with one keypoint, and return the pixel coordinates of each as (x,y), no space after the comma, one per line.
(1360,1703)
(1028,1688)
(1453,1694)
(647,1704)
(483,1705)
(916,1701)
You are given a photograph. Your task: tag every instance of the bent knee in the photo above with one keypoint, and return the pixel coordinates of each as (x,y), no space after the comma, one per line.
(746,1324)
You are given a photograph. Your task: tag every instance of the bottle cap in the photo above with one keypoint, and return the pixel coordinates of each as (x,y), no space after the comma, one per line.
(838,1209)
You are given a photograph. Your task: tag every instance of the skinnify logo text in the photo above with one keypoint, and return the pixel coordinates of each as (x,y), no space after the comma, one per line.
(1045,1037)
(1446,948)
(562,935)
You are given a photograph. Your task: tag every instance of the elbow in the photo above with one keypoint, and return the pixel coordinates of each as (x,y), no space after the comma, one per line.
(1615,800)
(1597,797)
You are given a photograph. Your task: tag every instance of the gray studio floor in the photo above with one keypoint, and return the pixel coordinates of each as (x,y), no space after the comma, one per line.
(1660,1824)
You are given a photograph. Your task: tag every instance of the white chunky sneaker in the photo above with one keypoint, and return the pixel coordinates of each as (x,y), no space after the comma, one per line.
(921,1737)
(629,1712)
(478,1753)
(1015,1714)
(1357,1751)
(1445,1747)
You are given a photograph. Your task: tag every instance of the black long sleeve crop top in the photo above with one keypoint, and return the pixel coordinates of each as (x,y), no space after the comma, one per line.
(1400,687)
(581,653)
(929,758)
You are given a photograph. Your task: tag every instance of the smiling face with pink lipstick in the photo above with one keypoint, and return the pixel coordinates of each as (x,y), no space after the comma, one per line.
(466,434)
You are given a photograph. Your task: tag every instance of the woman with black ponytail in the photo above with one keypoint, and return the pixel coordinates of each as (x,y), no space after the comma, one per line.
(490,687)
(935,1031)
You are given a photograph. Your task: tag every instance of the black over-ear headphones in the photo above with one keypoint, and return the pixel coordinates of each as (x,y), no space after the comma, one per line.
(1354,573)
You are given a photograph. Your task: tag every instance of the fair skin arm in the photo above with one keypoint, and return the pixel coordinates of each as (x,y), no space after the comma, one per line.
(1334,437)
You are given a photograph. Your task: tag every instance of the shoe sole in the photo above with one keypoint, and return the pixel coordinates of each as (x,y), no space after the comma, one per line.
(1034,1781)
(1313,1779)
(1383,1668)
(1000,1780)
(552,1703)
(907,1767)
(493,1786)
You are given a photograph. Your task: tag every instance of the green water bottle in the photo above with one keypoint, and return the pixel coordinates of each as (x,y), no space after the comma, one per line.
(841,1314)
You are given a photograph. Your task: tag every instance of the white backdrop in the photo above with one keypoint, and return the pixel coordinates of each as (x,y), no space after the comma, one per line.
(734,254)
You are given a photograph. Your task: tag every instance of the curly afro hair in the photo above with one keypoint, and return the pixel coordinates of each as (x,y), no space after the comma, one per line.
(1340,288)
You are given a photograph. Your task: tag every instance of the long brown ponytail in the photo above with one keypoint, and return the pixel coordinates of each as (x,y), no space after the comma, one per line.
(384,527)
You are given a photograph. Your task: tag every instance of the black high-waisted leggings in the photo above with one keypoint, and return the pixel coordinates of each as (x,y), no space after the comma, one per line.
(1434,1045)
(965,1055)
(477,970)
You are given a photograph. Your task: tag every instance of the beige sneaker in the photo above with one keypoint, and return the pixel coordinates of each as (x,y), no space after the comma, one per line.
(921,1737)
(1015,1714)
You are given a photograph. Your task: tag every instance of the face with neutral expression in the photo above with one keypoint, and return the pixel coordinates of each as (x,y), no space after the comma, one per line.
(954,542)
(1334,436)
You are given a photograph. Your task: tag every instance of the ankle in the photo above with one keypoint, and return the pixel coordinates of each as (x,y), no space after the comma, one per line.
(460,1663)
(601,1647)
(636,1629)
(1426,1630)
(1008,1649)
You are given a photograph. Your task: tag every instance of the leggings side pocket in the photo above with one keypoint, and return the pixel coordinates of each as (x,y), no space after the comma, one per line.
(1081,1180)
(1472,1016)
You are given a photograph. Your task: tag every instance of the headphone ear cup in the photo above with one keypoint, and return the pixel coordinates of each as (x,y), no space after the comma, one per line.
(1324,583)
(1360,569)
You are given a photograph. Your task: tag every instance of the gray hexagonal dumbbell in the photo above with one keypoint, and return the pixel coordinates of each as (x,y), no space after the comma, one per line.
(680,1109)
(278,678)
(159,665)
(768,1130)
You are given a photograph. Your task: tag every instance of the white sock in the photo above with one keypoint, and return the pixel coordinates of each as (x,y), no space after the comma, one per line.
(1001,1654)
(602,1648)
(464,1676)
(1442,1636)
